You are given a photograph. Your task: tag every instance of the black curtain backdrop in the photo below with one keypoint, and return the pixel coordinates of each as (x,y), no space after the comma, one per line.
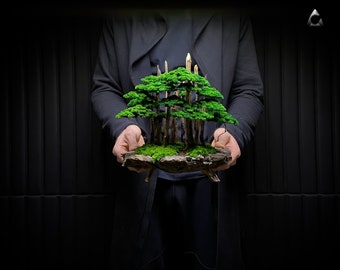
(57,178)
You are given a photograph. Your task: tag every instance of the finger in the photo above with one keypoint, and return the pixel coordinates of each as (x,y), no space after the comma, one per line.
(219,144)
(218,133)
(119,156)
(141,141)
(132,142)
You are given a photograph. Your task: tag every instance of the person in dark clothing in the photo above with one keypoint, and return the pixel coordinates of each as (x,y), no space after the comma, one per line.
(177,220)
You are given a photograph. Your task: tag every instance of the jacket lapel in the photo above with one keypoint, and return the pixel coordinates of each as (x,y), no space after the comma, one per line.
(208,56)
(148,31)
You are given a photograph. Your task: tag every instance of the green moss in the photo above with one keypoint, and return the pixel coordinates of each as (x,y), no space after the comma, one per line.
(157,152)
(201,150)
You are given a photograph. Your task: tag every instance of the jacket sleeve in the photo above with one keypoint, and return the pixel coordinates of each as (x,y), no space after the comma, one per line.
(107,95)
(245,101)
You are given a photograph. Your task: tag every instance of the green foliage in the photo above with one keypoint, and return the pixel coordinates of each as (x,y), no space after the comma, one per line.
(218,112)
(152,84)
(178,93)
(209,92)
(171,101)
(138,110)
(138,99)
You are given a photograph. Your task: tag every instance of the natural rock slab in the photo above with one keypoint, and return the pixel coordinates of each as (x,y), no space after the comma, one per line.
(179,163)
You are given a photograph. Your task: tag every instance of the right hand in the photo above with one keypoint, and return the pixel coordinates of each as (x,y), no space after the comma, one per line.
(223,139)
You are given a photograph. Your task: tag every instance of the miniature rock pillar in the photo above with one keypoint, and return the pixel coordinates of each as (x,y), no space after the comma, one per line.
(188,62)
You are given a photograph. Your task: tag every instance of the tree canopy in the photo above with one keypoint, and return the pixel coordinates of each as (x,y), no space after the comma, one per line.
(176,95)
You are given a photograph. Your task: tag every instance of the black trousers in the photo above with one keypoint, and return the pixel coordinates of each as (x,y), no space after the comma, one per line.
(182,232)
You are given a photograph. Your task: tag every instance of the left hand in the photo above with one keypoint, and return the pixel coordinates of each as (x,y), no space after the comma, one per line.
(223,139)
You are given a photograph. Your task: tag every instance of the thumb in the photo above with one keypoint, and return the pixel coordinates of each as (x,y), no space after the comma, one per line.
(141,141)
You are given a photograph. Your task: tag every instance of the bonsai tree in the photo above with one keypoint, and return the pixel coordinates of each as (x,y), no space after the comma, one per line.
(176,97)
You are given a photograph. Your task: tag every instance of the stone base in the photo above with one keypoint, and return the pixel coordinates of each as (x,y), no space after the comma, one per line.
(179,163)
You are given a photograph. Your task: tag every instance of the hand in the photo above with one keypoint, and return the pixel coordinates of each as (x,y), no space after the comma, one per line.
(223,139)
(130,138)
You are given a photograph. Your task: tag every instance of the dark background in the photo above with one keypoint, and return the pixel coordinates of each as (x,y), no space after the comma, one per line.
(57,177)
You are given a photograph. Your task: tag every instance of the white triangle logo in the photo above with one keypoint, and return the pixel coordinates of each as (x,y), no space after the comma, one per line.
(315,19)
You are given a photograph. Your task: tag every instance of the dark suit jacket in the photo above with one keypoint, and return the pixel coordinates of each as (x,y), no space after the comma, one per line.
(224,50)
